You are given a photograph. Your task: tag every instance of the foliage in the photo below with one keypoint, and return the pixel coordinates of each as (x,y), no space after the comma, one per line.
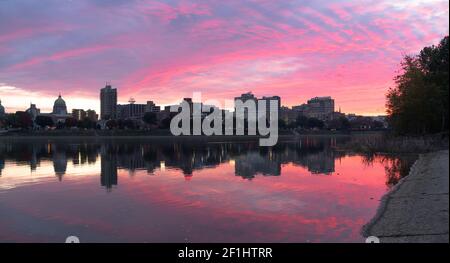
(22,120)
(418,104)
(165,123)
(309,123)
(340,123)
(111,124)
(282,124)
(126,124)
(44,121)
(150,118)
(71,122)
(87,123)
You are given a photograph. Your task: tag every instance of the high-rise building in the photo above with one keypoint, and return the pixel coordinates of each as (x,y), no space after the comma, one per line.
(92,115)
(321,108)
(132,110)
(288,115)
(246,96)
(151,107)
(300,109)
(78,114)
(108,103)
(264,100)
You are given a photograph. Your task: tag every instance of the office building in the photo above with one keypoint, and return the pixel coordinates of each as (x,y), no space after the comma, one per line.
(78,114)
(151,107)
(131,110)
(321,108)
(108,103)
(92,115)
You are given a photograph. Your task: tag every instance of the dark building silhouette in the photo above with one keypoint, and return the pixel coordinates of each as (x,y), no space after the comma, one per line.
(59,160)
(108,172)
(59,107)
(108,103)
(131,110)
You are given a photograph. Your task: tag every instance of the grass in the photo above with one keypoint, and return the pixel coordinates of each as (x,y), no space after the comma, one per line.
(389,144)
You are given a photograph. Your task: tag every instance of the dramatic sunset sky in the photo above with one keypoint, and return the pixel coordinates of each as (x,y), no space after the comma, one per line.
(165,50)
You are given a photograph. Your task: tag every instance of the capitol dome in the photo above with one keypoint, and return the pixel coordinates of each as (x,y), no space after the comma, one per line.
(59,107)
(2,109)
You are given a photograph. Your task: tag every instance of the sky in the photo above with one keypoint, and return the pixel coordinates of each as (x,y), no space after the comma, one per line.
(166,50)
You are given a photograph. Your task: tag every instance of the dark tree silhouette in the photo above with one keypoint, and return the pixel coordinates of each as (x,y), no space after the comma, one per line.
(150,118)
(87,123)
(111,124)
(418,104)
(44,121)
(23,120)
(71,122)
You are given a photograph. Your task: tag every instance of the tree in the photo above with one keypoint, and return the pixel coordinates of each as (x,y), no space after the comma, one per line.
(345,123)
(302,121)
(10,120)
(128,124)
(150,118)
(309,123)
(281,124)
(165,123)
(418,104)
(44,121)
(315,123)
(71,122)
(87,123)
(362,123)
(340,123)
(23,120)
(377,125)
(111,124)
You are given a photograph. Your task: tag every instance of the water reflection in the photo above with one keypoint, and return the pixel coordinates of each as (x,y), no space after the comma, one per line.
(172,191)
(317,155)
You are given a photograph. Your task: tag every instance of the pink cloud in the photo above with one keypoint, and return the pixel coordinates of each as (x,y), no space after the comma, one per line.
(66,54)
(163,51)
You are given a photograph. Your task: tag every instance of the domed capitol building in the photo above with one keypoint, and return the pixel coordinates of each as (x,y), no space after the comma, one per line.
(59,107)
(59,113)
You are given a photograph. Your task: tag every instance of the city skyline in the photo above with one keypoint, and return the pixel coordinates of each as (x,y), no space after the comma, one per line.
(106,114)
(164,51)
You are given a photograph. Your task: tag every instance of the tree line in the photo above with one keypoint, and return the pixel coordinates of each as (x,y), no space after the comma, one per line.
(418,104)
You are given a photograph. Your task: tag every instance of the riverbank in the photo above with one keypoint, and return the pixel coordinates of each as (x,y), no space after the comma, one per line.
(165,135)
(391,144)
(416,209)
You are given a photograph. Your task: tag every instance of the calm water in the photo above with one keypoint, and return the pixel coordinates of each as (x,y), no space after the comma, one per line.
(131,191)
